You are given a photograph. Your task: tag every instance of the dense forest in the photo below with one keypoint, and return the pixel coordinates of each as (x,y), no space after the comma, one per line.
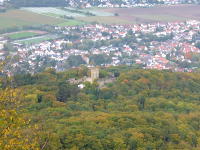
(140,110)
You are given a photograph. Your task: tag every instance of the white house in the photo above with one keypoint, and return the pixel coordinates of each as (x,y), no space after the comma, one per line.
(2,42)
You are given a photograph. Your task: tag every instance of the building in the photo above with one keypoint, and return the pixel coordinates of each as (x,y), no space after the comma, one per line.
(2,42)
(1,45)
(94,74)
(86,59)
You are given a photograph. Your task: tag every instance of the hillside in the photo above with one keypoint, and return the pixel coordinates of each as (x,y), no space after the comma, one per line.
(142,109)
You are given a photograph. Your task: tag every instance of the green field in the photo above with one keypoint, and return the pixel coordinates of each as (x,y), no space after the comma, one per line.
(106,20)
(80,15)
(71,23)
(21,35)
(51,15)
(20,18)
(35,40)
(70,12)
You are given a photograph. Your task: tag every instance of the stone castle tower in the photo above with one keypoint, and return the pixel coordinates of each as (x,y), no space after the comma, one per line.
(94,74)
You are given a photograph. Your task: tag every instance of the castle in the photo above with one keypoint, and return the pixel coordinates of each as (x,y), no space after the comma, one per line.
(94,73)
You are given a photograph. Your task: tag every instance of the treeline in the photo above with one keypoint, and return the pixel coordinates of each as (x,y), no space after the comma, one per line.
(141,109)
(38,3)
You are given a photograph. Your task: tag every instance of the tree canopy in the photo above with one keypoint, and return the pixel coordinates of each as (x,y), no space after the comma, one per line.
(140,109)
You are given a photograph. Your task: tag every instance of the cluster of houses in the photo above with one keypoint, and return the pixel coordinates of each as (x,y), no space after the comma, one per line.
(3,41)
(123,44)
(124,3)
(119,3)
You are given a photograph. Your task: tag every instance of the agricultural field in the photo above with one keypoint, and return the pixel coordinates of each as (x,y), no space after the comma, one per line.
(80,16)
(51,11)
(71,23)
(95,11)
(23,34)
(54,16)
(70,12)
(157,14)
(106,20)
(20,18)
(38,39)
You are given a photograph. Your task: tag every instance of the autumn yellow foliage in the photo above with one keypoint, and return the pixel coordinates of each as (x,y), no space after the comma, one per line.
(12,125)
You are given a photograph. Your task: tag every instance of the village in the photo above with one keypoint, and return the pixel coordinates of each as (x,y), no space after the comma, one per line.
(120,3)
(152,46)
(125,3)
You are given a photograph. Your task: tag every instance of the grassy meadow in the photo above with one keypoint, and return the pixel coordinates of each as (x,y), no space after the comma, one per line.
(21,35)
(38,39)
(71,23)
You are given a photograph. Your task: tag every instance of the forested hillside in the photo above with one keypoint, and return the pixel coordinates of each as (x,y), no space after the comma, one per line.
(142,109)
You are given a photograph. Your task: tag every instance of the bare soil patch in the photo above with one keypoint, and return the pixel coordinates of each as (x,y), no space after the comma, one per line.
(158,14)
